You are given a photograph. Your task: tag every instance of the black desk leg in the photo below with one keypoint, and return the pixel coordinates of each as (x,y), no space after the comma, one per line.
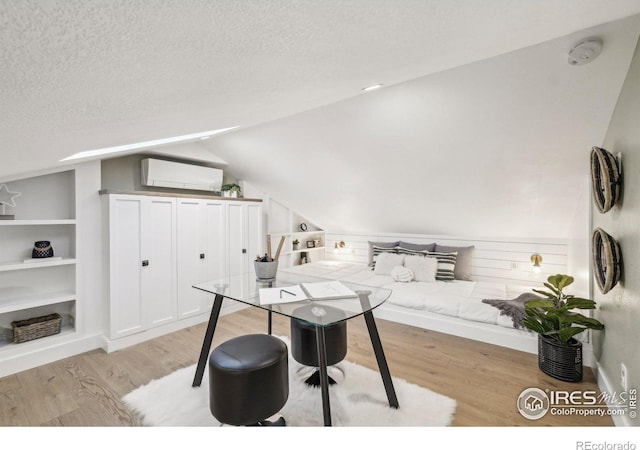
(269,325)
(324,377)
(382,361)
(208,338)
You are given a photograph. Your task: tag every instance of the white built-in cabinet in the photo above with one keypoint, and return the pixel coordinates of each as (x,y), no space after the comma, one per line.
(142,263)
(244,231)
(45,210)
(201,238)
(159,247)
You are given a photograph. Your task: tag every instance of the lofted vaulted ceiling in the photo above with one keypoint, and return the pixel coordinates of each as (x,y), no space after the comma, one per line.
(465,82)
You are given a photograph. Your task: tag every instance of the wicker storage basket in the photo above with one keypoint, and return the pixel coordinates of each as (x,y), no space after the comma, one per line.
(37,327)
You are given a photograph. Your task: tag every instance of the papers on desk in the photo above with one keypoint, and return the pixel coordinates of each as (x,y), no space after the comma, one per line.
(277,295)
(324,290)
(327,290)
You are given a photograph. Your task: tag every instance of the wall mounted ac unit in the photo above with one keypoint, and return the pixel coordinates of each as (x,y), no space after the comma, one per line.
(157,172)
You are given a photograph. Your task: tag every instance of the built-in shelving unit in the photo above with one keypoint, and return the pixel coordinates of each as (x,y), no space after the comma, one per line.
(285,222)
(44,211)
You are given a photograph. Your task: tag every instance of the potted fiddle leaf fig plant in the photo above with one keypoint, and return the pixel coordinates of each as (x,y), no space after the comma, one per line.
(555,319)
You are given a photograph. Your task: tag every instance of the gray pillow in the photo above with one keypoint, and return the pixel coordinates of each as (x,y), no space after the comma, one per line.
(417,247)
(408,248)
(376,248)
(463,260)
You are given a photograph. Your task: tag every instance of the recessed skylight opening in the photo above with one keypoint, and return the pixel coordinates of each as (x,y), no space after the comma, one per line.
(372,88)
(146,144)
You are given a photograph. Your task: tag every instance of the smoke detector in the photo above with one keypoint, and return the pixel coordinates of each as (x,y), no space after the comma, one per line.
(585,51)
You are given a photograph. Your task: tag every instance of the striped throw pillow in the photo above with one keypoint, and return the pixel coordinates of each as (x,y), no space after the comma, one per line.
(446,265)
(407,251)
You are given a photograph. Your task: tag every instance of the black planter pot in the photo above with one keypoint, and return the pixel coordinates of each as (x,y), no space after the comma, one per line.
(560,361)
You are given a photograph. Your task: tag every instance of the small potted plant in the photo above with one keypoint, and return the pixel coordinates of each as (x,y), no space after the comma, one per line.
(555,320)
(231,190)
(296,244)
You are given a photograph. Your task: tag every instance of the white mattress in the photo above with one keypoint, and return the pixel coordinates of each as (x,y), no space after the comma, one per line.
(462,299)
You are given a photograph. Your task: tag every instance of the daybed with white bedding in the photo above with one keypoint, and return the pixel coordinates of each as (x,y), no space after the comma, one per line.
(453,307)
(442,294)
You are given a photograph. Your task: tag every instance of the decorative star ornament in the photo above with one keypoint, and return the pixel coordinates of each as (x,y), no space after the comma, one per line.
(7,197)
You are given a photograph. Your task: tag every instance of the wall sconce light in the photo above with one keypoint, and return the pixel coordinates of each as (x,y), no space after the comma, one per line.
(337,246)
(536,259)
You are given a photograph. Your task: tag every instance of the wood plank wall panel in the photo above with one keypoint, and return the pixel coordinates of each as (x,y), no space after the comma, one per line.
(501,260)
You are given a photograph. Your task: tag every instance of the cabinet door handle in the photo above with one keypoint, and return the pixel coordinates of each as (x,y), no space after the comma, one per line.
(145,262)
(201,255)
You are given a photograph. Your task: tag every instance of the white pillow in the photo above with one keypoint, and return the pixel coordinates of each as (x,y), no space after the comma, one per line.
(401,274)
(385,262)
(424,269)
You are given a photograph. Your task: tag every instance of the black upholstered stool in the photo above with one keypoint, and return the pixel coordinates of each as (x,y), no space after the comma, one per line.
(304,347)
(248,380)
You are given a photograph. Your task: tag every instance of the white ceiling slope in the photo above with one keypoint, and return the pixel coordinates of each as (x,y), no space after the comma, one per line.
(498,147)
(78,75)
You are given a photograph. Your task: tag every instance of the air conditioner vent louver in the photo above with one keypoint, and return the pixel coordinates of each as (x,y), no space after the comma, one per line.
(160,173)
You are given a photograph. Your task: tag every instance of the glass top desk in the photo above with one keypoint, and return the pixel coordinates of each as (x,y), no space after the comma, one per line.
(245,289)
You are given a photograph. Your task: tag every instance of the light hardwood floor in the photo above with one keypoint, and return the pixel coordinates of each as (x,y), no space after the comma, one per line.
(486,380)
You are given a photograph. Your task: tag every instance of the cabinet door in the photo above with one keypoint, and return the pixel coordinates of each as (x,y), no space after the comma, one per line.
(215,238)
(159,293)
(191,267)
(201,252)
(125,246)
(253,234)
(237,252)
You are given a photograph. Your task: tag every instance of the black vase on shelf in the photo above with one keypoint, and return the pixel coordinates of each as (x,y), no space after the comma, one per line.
(42,249)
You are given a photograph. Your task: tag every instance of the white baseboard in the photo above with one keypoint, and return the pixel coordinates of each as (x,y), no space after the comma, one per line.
(59,349)
(112,345)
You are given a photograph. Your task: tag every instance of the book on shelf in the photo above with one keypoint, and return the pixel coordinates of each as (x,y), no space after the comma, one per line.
(323,290)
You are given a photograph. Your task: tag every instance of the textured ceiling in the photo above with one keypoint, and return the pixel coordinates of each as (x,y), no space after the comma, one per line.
(84,74)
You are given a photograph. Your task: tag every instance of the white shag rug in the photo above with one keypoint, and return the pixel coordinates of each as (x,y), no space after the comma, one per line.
(359,399)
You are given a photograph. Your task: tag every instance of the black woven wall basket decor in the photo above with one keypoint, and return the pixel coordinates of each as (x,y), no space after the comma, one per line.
(560,361)
(42,249)
(606,179)
(607,260)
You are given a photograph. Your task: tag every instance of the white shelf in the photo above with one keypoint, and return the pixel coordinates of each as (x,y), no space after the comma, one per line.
(307,233)
(24,222)
(24,346)
(21,265)
(304,250)
(46,210)
(22,298)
